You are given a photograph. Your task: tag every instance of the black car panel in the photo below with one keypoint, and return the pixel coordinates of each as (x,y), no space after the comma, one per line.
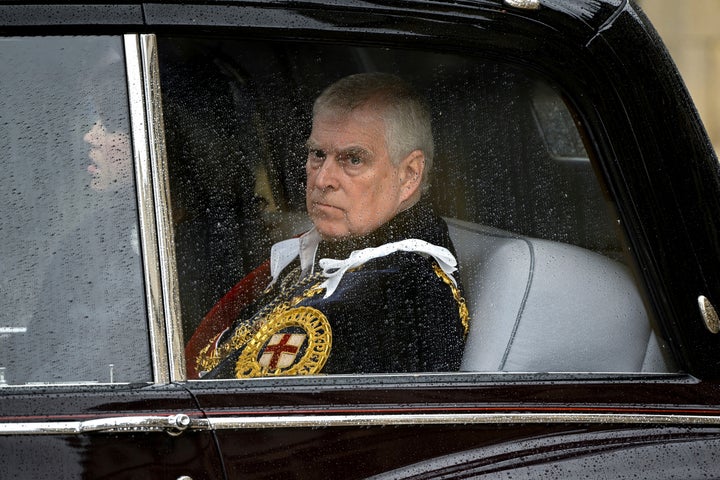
(572,167)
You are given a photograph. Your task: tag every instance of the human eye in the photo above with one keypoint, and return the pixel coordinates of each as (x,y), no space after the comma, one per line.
(352,159)
(316,155)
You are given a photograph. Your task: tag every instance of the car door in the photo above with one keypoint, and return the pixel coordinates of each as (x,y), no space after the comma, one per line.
(85,384)
(585,342)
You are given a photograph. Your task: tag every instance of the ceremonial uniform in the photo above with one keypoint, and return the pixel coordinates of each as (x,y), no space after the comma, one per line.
(385,302)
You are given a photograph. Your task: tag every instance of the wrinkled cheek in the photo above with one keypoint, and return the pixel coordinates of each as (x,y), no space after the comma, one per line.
(331,225)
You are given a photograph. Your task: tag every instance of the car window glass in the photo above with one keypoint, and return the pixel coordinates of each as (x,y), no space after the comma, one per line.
(546,276)
(71,274)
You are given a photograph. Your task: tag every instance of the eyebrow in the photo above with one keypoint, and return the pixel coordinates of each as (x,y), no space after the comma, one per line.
(355,150)
(310,144)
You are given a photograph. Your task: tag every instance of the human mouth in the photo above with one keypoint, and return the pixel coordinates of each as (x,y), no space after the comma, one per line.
(325,207)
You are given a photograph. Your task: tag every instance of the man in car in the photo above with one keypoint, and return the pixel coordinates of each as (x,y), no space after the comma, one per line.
(372,287)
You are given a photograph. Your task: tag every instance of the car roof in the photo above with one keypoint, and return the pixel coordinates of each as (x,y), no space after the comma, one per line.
(592,14)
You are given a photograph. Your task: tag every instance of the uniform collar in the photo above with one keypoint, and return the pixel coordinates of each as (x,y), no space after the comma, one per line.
(418,222)
(285,252)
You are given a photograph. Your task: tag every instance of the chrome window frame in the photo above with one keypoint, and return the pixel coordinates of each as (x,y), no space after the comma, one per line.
(156,235)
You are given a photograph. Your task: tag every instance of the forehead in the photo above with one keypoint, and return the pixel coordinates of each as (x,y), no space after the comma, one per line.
(362,126)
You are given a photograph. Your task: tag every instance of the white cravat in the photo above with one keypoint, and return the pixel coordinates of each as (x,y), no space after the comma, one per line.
(284,252)
(335,269)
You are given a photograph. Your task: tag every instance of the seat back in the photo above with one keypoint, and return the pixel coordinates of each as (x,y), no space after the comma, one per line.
(543,306)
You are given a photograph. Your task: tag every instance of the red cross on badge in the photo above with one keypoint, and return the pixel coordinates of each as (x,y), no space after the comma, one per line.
(281,350)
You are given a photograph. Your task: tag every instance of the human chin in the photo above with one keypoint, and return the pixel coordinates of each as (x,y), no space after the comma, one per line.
(331,229)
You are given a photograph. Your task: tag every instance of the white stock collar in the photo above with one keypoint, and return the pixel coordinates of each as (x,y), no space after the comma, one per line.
(306,245)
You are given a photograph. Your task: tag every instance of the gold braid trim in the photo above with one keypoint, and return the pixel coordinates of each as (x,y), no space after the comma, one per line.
(462,306)
(209,357)
(318,333)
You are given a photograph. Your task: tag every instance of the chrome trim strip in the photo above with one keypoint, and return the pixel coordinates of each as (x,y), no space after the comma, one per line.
(146,209)
(163,215)
(172,424)
(523,4)
(175,424)
(315,421)
(9,330)
(709,314)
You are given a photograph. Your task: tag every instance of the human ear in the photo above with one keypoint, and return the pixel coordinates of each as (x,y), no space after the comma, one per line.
(411,172)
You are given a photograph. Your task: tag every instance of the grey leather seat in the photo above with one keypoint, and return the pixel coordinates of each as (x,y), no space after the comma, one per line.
(542,306)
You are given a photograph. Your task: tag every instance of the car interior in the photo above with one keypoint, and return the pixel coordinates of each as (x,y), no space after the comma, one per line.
(547,279)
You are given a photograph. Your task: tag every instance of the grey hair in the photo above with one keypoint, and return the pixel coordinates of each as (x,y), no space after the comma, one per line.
(408,125)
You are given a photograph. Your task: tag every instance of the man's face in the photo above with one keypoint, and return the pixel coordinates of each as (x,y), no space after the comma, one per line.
(352,186)
(110,157)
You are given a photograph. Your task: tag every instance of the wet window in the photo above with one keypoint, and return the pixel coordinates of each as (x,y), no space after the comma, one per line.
(545,275)
(70,275)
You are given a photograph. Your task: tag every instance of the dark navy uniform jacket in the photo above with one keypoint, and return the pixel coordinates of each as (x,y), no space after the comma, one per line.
(396,313)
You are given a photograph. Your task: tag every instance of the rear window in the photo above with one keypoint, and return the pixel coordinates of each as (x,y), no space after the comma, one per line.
(71,271)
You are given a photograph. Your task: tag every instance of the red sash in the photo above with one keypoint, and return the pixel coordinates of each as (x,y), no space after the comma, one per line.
(224,313)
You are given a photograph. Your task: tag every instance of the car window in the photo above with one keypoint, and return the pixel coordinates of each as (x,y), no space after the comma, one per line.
(546,276)
(71,272)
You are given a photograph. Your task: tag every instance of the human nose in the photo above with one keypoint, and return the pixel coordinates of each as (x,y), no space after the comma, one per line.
(326,175)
